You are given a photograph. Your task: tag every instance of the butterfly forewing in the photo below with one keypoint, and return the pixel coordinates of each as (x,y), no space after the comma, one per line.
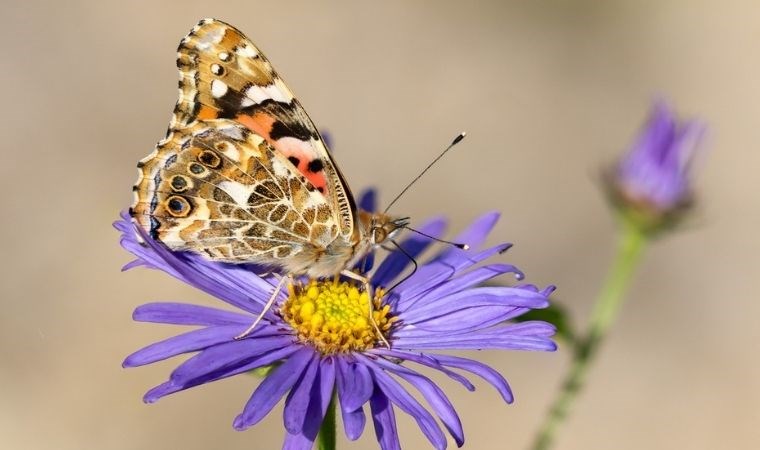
(224,75)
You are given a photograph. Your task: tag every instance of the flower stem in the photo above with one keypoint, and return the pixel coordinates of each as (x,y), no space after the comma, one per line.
(631,244)
(326,436)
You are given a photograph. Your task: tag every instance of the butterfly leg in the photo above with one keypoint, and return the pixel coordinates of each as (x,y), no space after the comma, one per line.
(267,307)
(368,289)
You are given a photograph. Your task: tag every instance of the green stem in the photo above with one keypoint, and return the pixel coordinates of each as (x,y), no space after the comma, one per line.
(326,436)
(630,248)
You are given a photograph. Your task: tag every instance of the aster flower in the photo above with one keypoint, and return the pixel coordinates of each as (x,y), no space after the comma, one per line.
(651,190)
(322,343)
(650,184)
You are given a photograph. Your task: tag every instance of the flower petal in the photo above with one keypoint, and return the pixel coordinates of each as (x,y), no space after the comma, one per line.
(401,398)
(482,370)
(465,320)
(187,342)
(425,360)
(354,384)
(472,278)
(425,278)
(235,284)
(186,314)
(353,391)
(433,395)
(319,400)
(500,338)
(298,399)
(384,420)
(431,275)
(498,297)
(226,357)
(184,377)
(473,236)
(273,388)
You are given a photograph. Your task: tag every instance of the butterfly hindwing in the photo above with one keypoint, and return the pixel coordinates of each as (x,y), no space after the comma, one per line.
(224,75)
(220,189)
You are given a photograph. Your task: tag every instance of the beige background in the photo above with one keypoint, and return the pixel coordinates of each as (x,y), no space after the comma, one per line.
(549,91)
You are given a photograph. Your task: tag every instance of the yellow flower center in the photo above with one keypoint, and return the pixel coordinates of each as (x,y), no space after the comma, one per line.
(333,316)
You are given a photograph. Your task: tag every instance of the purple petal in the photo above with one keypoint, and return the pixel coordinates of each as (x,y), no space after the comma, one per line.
(171,386)
(183,378)
(354,384)
(298,399)
(499,339)
(397,261)
(235,284)
(132,265)
(353,422)
(186,314)
(368,200)
(187,342)
(384,421)
(273,388)
(472,278)
(485,372)
(401,398)
(498,297)
(319,400)
(433,395)
(655,169)
(425,278)
(433,274)
(226,357)
(462,321)
(297,441)
(425,360)
(473,236)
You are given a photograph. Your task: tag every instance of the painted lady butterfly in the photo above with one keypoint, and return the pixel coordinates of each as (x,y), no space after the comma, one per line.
(243,175)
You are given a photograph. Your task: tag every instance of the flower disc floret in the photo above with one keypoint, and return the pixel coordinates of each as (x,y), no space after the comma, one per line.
(333,316)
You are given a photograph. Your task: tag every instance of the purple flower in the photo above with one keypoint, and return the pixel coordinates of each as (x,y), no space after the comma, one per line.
(440,306)
(652,179)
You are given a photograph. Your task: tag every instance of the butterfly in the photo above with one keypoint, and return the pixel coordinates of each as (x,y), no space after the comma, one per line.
(243,175)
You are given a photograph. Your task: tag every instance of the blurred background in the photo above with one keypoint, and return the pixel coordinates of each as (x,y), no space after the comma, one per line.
(548,91)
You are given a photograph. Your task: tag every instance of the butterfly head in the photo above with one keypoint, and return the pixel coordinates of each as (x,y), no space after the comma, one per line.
(379,227)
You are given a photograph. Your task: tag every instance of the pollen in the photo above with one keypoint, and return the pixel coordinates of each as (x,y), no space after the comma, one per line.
(333,316)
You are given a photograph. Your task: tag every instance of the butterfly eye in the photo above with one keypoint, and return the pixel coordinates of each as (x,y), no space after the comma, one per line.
(210,159)
(379,234)
(178,206)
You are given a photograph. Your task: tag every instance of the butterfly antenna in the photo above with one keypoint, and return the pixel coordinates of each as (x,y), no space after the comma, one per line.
(456,140)
(455,244)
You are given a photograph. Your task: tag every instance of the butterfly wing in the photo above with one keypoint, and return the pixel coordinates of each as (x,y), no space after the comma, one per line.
(224,75)
(219,189)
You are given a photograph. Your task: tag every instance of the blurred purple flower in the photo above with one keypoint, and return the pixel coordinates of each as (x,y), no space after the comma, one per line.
(652,179)
(438,307)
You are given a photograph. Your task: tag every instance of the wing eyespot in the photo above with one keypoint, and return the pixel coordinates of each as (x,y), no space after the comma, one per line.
(178,206)
(210,159)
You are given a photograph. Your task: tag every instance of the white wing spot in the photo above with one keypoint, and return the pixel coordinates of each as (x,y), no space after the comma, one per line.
(213,36)
(275,92)
(216,69)
(238,191)
(218,88)
(248,51)
(232,131)
(224,56)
